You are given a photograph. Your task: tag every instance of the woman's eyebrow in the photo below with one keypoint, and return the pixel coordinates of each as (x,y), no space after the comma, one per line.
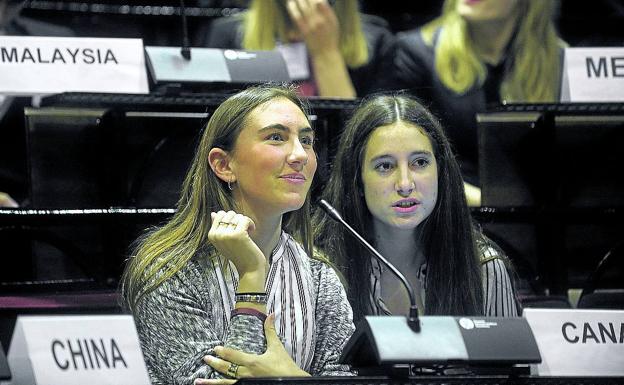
(382,157)
(389,156)
(281,127)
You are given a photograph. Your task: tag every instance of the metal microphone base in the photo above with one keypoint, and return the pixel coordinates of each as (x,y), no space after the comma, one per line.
(213,65)
(442,340)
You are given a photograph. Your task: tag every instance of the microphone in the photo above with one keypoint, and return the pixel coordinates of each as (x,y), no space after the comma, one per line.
(412,318)
(185,51)
(379,343)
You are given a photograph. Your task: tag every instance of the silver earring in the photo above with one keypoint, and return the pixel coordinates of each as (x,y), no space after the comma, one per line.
(230,185)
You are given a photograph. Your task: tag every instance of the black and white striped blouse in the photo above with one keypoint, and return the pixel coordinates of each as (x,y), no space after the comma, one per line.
(499,295)
(190,313)
(499,298)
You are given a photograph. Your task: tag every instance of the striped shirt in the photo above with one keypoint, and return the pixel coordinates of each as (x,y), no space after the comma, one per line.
(499,299)
(190,313)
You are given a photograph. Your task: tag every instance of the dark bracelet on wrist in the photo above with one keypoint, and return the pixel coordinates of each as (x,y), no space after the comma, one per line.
(249,311)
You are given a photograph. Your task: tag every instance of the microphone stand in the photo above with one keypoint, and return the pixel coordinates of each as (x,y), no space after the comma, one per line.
(386,341)
(412,318)
(185,51)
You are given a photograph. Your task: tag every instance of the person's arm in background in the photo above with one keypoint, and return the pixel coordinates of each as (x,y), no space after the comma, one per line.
(319,28)
(473,195)
(7,201)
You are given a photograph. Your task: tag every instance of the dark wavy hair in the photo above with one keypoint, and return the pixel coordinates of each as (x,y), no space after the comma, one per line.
(453,283)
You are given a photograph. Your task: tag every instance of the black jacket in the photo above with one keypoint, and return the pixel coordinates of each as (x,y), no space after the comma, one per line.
(410,66)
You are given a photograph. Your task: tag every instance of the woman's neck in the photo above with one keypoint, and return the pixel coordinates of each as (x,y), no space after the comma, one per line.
(399,246)
(490,38)
(268,223)
(267,233)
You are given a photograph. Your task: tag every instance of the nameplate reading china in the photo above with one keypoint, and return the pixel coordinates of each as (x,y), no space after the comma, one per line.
(576,342)
(94,350)
(593,75)
(42,65)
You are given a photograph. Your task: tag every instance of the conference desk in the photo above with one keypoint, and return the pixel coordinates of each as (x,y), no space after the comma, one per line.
(440,380)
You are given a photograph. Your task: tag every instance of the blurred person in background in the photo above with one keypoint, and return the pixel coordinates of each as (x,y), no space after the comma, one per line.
(331,49)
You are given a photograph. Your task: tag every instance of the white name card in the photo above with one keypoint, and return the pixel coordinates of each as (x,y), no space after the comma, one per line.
(94,350)
(206,65)
(42,65)
(593,75)
(296,58)
(576,342)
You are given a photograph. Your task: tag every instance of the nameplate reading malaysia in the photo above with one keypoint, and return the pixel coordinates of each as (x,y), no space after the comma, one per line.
(576,342)
(593,75)
(42,65)
(94,350)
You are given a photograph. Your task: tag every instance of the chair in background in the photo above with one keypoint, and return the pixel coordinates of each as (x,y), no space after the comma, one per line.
(546,301)
(528,283)
(604,288)
(43,261)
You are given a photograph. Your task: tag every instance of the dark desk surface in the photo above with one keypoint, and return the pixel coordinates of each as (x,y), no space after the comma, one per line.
(179,102)
(192,101)
(441,380)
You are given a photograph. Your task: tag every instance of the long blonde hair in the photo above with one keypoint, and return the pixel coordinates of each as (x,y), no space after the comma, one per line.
(534,71)
(162,252)
(267,21)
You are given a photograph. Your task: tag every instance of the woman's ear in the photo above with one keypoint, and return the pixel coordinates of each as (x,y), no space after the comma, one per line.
(219,161)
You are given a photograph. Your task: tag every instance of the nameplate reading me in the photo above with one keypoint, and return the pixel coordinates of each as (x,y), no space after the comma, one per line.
(94,350)
(593,75)
(31,65)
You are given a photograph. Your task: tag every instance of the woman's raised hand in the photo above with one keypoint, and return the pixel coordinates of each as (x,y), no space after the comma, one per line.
(317,23)
(319,27)
(229,234)
(275,362)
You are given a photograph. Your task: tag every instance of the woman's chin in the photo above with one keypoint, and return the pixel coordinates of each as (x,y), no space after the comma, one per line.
(293,204)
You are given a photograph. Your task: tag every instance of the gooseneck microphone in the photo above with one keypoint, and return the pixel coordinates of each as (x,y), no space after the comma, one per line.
(186,46)
(412,318)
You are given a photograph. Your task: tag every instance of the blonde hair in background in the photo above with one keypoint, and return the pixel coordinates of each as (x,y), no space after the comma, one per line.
(267,21)
(534,74)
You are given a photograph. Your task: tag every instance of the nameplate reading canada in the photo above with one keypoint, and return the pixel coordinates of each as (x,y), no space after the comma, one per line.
(593,75)
(31,65)
(578,342)
(94,350)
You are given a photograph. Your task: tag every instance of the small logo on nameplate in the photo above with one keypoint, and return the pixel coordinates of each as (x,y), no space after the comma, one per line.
(466,323)
(469,324)
(233,55)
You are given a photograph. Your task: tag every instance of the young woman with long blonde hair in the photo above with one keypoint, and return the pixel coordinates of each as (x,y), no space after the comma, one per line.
(478,52)
(238,248)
